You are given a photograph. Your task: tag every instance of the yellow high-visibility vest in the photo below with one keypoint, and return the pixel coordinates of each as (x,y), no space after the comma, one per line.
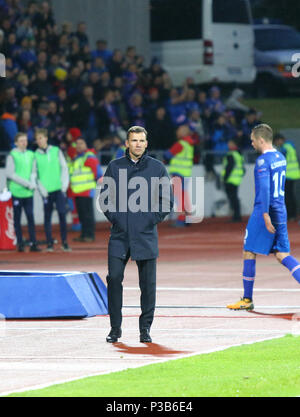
(82,177)
(237,173)
(292,164)
(182,163)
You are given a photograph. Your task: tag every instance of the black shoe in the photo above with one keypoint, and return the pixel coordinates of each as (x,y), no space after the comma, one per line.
(145,336)
(65,247)
(34,248)
(114,334)
(50,248)
(21,248)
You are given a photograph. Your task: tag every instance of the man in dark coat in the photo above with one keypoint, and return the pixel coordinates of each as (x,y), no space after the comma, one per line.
(136,195)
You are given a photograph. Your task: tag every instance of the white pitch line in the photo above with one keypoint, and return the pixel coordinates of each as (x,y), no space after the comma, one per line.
(215,289)
(203,330)
(74,358)
(212,307)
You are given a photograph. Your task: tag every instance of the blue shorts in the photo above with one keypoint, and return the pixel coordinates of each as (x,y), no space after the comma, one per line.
(259,240)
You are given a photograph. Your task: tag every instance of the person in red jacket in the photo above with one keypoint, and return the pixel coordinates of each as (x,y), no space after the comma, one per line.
(70,153)
(85,173)
(180,158)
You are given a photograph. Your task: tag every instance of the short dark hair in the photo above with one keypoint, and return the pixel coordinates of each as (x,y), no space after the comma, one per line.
(264,131)
(136,129)
(18,135)
(278,136)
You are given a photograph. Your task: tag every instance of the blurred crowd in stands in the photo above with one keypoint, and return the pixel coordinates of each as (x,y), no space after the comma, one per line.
(55,79)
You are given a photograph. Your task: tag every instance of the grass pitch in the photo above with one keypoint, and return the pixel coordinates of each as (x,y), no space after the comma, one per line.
(263,369)
(280,113)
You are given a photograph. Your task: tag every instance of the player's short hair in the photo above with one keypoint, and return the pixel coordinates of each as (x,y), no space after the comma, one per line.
(136,129)
(19,135)
(40,131)
(263,131)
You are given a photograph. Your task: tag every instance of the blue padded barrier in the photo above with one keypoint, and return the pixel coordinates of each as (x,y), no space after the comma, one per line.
(43,294)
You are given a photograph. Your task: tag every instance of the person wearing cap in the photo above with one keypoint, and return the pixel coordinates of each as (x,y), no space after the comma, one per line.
(287,148)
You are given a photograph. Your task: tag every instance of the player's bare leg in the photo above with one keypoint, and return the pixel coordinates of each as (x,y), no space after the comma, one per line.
(246,302)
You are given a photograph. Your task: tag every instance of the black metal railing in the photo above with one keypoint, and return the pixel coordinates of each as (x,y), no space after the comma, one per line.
(106,156)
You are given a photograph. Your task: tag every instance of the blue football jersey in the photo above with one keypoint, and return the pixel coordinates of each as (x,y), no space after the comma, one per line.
(269,175)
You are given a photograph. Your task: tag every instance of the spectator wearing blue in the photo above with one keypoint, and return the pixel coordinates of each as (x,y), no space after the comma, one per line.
(195,122)
(190,101)
(101,51)
(214,102)
(99,65)
(74,84)
(107,115)
(220,134)
(27,55)
(41,119)
(176,107)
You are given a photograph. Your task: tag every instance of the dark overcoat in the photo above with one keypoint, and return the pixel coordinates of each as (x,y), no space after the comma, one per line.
(135,197)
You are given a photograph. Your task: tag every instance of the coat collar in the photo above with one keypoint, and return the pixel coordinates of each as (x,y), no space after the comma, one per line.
(140,160)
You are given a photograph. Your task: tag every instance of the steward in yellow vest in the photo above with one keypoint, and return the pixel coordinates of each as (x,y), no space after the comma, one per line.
(181,160)
(232,175)
(288,149)
(85,171)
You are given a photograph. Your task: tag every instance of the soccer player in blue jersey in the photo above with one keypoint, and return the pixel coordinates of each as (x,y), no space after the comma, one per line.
(266,230)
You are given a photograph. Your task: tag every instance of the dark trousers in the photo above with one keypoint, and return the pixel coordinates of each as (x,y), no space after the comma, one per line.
(85,210)
(58,199)
(290,199)
(232,195)
(147,283)
(18,205)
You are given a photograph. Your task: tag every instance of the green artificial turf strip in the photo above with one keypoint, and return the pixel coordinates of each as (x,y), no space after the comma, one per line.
(263,369)
(280,113)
